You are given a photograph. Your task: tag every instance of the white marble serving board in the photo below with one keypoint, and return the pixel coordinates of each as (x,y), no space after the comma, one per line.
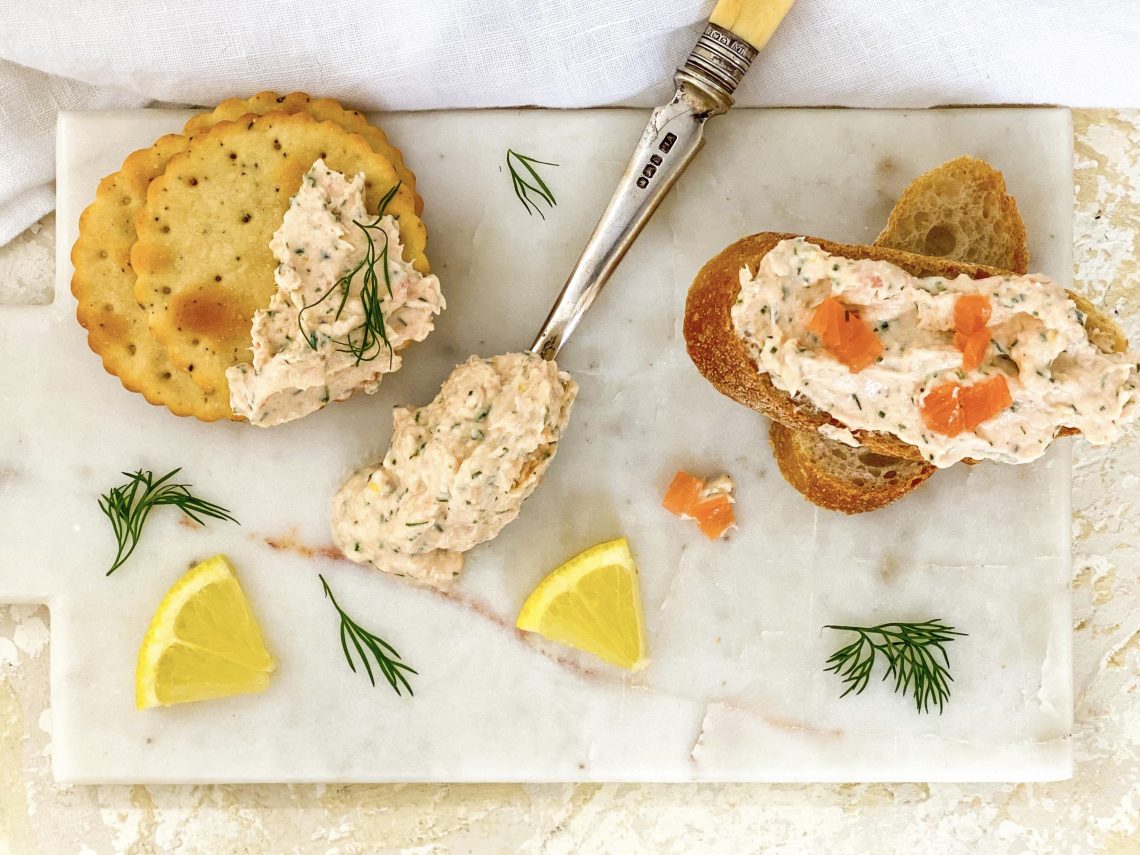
(735,690)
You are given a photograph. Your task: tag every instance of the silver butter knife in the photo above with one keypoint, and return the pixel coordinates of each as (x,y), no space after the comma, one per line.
(674,135)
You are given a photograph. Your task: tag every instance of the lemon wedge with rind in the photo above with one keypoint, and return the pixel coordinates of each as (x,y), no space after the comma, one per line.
(592,603)
(203,642)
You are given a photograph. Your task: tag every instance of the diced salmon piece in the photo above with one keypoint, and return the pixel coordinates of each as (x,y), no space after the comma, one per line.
(942,409)
(949,409)
(826,319)
(714,515)
(971,313)
(973,346)
(845,335)
(682,494)
(982,401)
(686,497)
(972,337)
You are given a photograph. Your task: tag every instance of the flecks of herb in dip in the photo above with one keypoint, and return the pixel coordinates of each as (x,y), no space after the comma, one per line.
(1056,376)
(300,361)
(456,471)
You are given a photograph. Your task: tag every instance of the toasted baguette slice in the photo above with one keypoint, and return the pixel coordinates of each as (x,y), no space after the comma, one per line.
(959,210)
(720,355)
(841,478)
(953,198)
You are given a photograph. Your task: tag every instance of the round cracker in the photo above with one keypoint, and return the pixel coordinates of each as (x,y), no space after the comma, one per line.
(321,109)
(104,283)
(202,257)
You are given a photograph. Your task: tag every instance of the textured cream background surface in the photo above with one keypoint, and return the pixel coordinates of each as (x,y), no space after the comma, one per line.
(1097,811)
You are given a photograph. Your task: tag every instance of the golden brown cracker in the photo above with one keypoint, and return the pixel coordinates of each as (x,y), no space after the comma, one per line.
(104,280)
(202,257)
(103,285)
(321,109)
(235,108)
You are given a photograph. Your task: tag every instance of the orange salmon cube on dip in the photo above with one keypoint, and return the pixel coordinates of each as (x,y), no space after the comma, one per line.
(942,410)
(972,337)
(982,401)
(973,346)
(972,313)
(845,335)
(949,409)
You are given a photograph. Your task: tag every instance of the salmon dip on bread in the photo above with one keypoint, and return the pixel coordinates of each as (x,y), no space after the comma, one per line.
(986,369)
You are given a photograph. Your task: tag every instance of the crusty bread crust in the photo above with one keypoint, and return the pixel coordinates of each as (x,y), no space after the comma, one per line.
(834,476)
(959,209)
(721,356)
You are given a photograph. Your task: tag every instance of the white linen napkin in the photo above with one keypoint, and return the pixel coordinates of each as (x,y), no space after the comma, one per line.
(430,54)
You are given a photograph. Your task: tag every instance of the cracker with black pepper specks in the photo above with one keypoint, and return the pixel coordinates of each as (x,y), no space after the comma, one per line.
(202,257)
(104,280)
(104,283)
(321,109)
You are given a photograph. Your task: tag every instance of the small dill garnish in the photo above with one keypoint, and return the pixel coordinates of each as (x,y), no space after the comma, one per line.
(127,508)
(521,168)
(364,342)
(915,654)
(384,653)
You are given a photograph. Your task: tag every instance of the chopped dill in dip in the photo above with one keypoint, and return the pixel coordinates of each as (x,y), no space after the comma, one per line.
(330,297)
(457,470)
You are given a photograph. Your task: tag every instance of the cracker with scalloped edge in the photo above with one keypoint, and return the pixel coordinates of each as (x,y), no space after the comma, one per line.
(104,281)
(321,109)
(103,285)
(202,257)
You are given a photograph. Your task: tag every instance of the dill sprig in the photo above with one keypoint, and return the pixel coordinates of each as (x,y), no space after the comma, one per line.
(915,655)
(128,506)
(526,180)
(384,653)
(365,341)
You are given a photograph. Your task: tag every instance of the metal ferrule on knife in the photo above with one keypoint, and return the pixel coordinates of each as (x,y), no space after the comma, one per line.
(716,66)
(705,84)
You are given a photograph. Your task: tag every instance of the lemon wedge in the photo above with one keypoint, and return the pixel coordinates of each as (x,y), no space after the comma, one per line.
(202,642)
(592,603)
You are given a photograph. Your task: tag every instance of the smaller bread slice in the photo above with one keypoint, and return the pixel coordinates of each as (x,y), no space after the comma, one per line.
(961,211)
(721,356)
(841,478)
